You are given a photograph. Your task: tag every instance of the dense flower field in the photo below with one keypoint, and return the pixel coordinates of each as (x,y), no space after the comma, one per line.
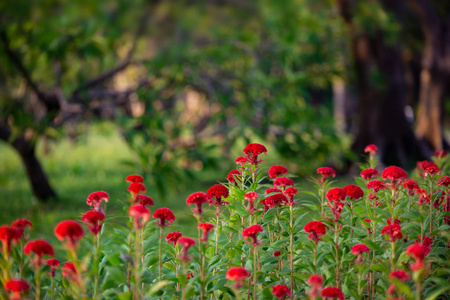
(385,237)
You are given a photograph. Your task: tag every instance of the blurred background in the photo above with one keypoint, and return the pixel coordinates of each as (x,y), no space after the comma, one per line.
(91,91)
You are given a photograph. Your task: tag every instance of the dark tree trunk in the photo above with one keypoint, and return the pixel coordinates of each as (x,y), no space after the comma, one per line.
(381,116)
(26,149)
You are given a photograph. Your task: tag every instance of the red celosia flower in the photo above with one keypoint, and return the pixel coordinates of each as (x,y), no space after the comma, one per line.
(399,275)
(217,192)
(95,199)
(277,170)
(135,178)
(427,241)
(9,235)
(423,197)
(276,253)
(22,224)
(273,190)
(393,230)
(369,230)
(136,188)
(376,185)
(186,243)
(241,160)
(336,194)
(273,201)
(419,252)
(251,197)
(423,165)
(94,221)
(371,149)
(369,174)
(53,263)
(189,275)
(375,201)
(431,171)
(325,172)
(206,228)
(140,214)
(144,200)
(316,229)
(198,199)
(252,151)
(239,275)
(39,248)
(315,281)
(16,287)
(165,216)
(173,237)
(394,174)
(440,154)
(252,232)
(445,181)
(332,292)
(411,186)
(70,232)
(283,182)
(70,272)
(290,192)
(354,192)
(233,175)
(359,249)
(280,291)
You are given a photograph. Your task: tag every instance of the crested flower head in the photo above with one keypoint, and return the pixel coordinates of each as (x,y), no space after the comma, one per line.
(359,249)
(53,263)
(315,282)
(16,288)
(423,165)
(144,200)
(252,151)
(252,233)
(440,154)
(70,232)
(135,178)
(427,241)
(325,172)
(411,185)
(273,201)
(273,190)
(276,171)
(401,275)
(21,224)
(197,199)
(332,292)
(316,229)
(241,160)
(39,248)
(336,194)
(393,230)
(394,174)
(376,185)
(423,197)
(94,221)
(8,235)
(431,171)
(283,182)
(369,174)
(136,188)
(95,199)
(233,175)
(280,291)
(173,237)
(70,272)
(418,252)
(444,181)
(206,228)
(218,192)
(354,192)
(238,275)
(371,149)
(186,243)
(165,217)
(290,192)
(140,215)
(251,197)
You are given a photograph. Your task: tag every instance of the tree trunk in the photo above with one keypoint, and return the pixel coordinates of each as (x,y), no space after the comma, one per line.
(26,149)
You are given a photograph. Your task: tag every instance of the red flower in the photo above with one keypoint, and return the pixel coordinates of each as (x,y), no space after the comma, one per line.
(145,200)
(21,224)
(280,291)
(39,248)
(411,186)
(273,201)
(273,190)
(198,199)
(241,160)
(283,182)
(9,235)
(70,272)
(394,174)
(218,191)
(239,275)
(70,232)
(400,275)
(332,292)
(440,154)
(206,228)
(371,149)
(419,252)
(276,253)
(369,174)
(376,185)
(433,170)
(186,243)
(233,175)
(17,287)
(427,241)
(359,249)
(369,230)
(251,197)
(189,275)
(336,194)
(375,198)
(423,165)
(423,197)
(316,282)
(316,229)
(53,263)
(173,237)
(136,188)
(277,170)
(252,232)
(354,192)
(393,230)
(95,199)
(290,192)
(325,172)
(252,151)
(445,181)
(165,216)
(135,178)
(141,215)
(94,221)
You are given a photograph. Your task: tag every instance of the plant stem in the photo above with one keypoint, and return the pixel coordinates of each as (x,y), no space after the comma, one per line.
(96,263)
(255,277)
(216,252)
(136,265)
(37,280)
(337,254)
(160,252)
(321,200)
(291,247)
(418,289)
(392,256)
(351,219)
